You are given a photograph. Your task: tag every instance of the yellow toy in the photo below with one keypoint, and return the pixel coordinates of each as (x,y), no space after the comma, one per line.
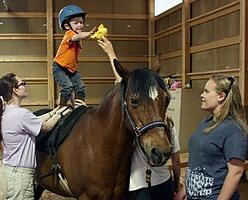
(100,33)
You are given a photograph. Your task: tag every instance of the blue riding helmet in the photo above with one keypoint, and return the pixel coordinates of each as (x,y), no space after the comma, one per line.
(68,12)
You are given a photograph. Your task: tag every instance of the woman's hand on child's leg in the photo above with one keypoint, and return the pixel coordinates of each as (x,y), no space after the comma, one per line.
(80,102)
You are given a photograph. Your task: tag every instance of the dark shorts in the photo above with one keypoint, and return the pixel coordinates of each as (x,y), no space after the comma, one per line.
(163,191)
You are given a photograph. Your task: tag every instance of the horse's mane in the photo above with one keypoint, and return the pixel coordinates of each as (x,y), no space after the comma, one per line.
(142,80)
(109,94)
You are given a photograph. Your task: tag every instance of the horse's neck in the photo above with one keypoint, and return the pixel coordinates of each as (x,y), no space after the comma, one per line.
(111,113)
(111,105)
(117,139)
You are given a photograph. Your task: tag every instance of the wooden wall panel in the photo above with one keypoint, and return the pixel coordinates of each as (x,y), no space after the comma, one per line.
(199,84)
(212,31)
(34,69)
(37,93)
(107,6)
(216,59)
(122,48)
(161,45)
(220,28)
(115,26)
(23,47)
(103,69)
(169,43)
(26,35)
(244,53)
(134,65)
(89,48)
(171,66)
(96,6)
(129,27)
(37,97)
(131,48)
(168,21)
(22,25)
(24,6)
(130,7)
(96,92)
(95,69)
(200,7)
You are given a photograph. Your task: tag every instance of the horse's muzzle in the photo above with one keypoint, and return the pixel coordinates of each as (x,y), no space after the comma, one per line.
(158,158)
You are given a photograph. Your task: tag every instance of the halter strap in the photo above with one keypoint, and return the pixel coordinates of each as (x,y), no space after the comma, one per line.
(139,131)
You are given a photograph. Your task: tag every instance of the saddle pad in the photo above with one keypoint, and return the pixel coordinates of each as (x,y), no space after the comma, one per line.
(49,142)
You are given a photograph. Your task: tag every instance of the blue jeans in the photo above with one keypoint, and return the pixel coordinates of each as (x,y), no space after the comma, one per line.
(69,82)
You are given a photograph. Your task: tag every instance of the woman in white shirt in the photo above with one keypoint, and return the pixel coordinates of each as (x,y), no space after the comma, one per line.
(162,185)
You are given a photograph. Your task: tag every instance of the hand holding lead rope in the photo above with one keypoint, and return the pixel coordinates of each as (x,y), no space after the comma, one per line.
(148,176)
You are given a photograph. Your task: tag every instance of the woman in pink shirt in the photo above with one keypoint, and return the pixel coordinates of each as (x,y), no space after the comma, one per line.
(18,130)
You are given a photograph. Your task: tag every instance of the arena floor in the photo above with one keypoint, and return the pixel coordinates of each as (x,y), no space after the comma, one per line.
(50,196)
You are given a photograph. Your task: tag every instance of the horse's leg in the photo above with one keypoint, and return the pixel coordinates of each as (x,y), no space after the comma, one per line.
(38,190)
(83,196)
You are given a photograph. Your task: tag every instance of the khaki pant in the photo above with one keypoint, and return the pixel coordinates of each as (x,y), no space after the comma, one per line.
(3,182)
(20,183)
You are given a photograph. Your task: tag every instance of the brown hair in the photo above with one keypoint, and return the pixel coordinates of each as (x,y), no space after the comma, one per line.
(7,83)
(232,105)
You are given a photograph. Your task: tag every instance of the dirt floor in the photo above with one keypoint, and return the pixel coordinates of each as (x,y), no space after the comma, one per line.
(50,196)
(243,189)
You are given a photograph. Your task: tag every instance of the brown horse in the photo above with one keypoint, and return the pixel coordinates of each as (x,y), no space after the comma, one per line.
(95,157)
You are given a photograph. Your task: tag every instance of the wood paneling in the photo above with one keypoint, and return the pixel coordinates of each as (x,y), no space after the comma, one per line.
(50,53)
(217,40)
(185,42)
(243,58)
(29,36)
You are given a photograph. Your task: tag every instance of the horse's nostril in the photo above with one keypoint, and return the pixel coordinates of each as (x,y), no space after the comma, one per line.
(167,156)
(154,151)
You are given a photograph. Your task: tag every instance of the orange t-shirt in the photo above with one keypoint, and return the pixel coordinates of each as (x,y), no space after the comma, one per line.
(68,52)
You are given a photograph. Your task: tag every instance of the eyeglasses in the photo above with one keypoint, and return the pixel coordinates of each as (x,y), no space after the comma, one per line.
(21,83)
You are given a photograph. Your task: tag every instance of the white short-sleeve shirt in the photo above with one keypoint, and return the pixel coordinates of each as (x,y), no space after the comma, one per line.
(139,166)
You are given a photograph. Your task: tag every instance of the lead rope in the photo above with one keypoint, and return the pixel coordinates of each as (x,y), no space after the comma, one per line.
(64,184)
(148,176)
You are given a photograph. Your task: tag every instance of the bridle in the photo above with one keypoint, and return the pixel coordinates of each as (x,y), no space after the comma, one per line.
(139,131)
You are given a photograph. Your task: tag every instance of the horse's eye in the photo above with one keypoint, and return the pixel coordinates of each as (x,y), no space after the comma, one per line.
(134,103)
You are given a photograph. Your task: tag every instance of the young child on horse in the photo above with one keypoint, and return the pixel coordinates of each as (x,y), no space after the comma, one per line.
(71,19)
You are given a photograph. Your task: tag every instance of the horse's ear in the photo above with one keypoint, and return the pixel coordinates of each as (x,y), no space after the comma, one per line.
(157,64)
(120,70)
